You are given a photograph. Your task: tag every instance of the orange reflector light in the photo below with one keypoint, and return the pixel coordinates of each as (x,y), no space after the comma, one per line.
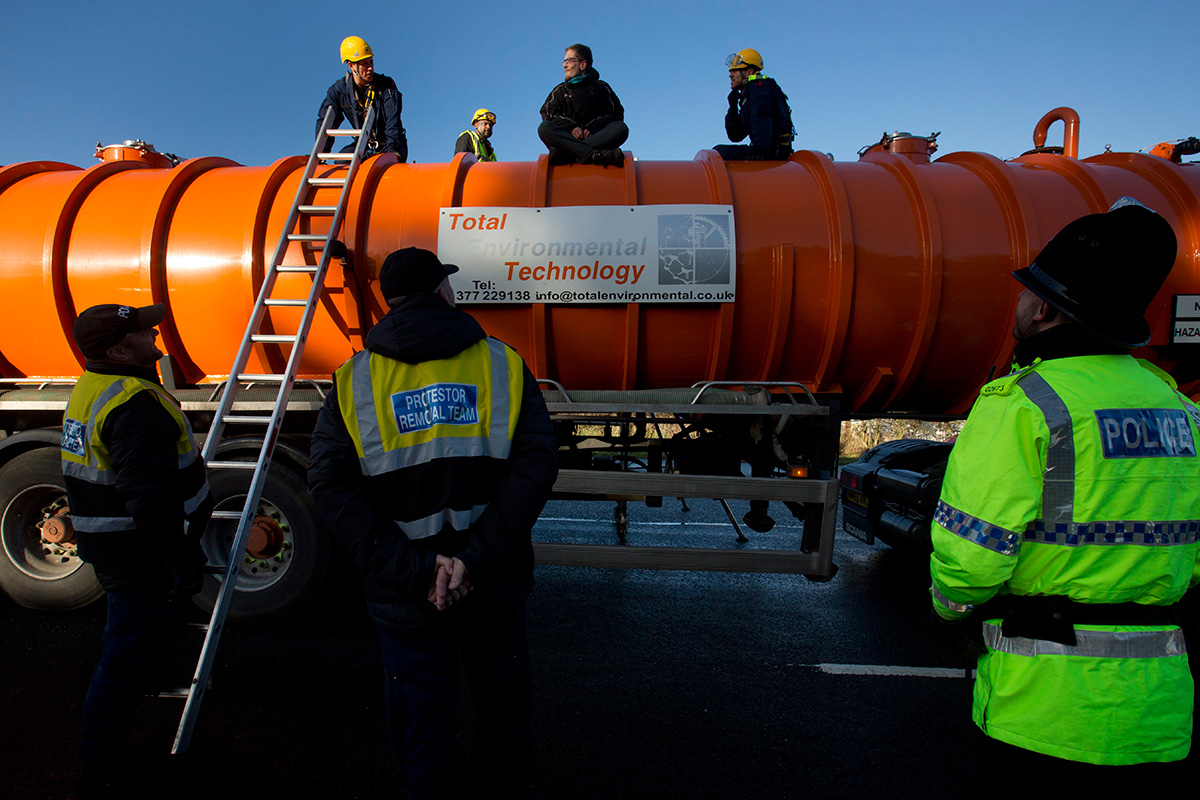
(797,471)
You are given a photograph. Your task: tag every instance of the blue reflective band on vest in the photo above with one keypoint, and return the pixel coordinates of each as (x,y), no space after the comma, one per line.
(973,529)
(437,404)
(1144,432)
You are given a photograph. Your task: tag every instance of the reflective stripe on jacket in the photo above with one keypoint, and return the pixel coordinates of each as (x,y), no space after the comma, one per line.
(95,503)
(1077,477)
(479,146)
(409,416)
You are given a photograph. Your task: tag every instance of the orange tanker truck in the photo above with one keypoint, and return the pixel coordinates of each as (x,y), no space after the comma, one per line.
(688,318)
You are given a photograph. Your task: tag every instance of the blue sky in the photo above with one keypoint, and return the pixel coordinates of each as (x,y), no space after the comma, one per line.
(244,79)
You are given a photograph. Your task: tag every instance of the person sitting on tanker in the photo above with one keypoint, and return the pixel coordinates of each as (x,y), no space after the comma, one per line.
(582,119)
(475,139)
(359,89)
(758,108)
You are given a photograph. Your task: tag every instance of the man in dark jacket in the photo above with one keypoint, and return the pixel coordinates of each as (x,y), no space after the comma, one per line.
(582,119)
(758,108)
(139,503)
(431,461)
(359,89)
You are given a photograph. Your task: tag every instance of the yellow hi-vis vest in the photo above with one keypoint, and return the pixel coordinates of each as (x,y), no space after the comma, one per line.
(86,458)
(404,416)
(483,150)
(1077,478)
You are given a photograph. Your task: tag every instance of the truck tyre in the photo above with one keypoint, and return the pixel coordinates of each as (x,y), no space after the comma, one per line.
(272,587)
(33,573)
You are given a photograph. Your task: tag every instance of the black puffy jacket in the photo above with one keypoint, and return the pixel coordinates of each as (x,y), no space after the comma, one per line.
(590,104)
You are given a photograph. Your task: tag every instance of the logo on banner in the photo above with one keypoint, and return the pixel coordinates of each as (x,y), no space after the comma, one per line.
(693,249)
(438,404)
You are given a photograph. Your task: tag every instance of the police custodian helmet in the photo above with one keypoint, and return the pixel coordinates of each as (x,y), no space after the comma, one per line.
(1103,270)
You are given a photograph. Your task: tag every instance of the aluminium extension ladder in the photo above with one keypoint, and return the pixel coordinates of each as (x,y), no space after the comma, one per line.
(194,693)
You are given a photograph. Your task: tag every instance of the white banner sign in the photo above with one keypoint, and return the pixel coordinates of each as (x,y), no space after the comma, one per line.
(590,254)
(1186,325)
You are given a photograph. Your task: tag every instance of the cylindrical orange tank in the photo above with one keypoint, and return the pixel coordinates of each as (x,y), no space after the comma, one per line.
(885,280)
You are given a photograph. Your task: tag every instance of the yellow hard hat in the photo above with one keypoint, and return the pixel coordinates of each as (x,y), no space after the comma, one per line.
(483,113)
(355,48)
(743,59)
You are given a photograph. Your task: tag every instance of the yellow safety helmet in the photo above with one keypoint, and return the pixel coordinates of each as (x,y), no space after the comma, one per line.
(744,59)
(355,48)
(483,113)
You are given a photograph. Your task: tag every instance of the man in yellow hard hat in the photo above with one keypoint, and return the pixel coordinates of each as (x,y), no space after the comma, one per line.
(359,89)
(475,139)
(758,108)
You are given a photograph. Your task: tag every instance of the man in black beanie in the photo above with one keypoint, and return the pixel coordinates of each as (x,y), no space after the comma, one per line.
(431,461)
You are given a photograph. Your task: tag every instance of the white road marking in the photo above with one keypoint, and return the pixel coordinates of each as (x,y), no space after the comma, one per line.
(680,524)
(880,669)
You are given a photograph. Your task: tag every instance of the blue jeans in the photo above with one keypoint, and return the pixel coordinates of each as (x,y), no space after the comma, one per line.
(139,647)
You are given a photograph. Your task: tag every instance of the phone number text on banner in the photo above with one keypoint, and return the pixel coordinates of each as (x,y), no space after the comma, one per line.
(590,254)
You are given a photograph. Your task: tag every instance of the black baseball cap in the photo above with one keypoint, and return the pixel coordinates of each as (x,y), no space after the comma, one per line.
(100,327)
(412,271)
(1103,270)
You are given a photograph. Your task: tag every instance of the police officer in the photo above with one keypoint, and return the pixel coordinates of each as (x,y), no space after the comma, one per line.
(1070,508)
(758,108)
(476,139)
(359,89)
(430,463)
(139,502)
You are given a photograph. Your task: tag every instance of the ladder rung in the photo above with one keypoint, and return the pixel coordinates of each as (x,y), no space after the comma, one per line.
(335,156)
(247,420)
(199,626)
(326,181)
(245,465)
(273,338)
(322,211)
(212,569)
(344,132)
(295,268)
(307,237)
(285,302)
(181,694)
(263,377)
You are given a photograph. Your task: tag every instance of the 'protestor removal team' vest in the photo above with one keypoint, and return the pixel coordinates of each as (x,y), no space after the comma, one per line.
(433,434)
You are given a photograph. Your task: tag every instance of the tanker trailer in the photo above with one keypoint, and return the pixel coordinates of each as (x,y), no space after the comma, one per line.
(789,293)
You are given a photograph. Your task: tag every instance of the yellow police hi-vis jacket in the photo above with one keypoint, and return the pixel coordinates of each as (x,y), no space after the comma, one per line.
(87,464)
(1077,478)
(446,424)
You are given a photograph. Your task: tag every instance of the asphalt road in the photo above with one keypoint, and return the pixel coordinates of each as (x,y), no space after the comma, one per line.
(648,684)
